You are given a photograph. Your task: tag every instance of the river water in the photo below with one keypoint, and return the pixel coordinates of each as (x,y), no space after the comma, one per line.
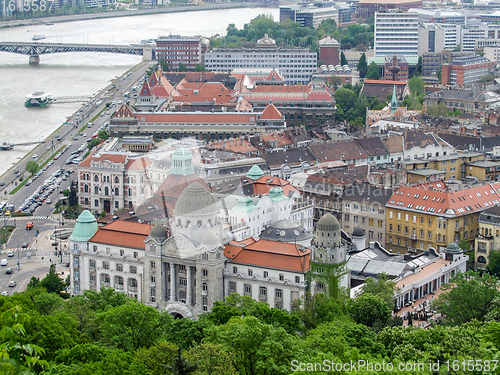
(83,74)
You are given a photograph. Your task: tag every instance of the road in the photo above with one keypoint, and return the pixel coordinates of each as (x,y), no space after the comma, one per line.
(42,217)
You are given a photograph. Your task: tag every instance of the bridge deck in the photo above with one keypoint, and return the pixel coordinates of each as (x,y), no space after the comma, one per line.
(34,48)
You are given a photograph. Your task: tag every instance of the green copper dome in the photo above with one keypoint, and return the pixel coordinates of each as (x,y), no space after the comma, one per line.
(255,173)
(85,227)
(245,204)
(276,194)
(182,162)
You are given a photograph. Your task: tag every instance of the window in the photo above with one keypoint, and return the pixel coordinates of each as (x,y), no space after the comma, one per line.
(105,265)
(232,287)
(136,254)
(117,204)
(152,264)
(96,203)
(153,294)
(119,267)
(421,219)
(86,188)
(297,279)
(92,264)
(153,279)
(278,293)
(106,191)
(152,248)
(247,290)
(204,272)
(250,272)
(182,281)
(117,191)
(282,277)
(116,180)
(263,291)
(133,269)
(390,227)
(94,248)
(235,269)
(266,274)
(122,252)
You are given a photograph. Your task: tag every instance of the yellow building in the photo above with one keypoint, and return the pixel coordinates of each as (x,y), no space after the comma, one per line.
(427,215)
(452,166)
(483,170)
(489,236)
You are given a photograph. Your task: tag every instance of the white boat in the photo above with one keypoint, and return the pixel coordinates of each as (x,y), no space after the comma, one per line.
(38,37)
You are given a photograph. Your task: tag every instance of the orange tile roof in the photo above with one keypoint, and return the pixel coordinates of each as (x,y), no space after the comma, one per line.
(123,233)
(198,118)
(145,90)
(240,146)
(280,137)
(271,113)
(113,158)
(384,82)
(271,254)
(139,163)
(432,198)
(265,183)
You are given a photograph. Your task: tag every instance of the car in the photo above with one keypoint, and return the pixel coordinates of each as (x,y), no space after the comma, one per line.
(84,134)
(48,201)
(5,294)
(29,225)
(12,284)
(70,144)
(10,254)
(4,262)
(7,213)
(8,271)
(102,114)
(35,156)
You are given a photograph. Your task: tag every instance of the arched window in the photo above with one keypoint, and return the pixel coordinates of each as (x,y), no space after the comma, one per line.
(178,222)
(96,178)
(106,191)
(142,189)
(117,191)
(130,191)
(116,180)
(96,190)
(128,180)
(142,179)
(481,259)
(198,224)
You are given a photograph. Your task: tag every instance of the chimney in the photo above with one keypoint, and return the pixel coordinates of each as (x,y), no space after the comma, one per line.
(372,245)
(475,132)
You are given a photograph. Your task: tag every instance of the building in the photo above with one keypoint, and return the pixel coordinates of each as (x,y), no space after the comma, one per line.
(396,34)
(488,238)
(431,38)
(112,181)
(367,8)
(432,61)
(329,51)
(396,68)
(466,70)
(428,215)
(492,53)
(462,99)
(312,16)
(296,64)
(176,49)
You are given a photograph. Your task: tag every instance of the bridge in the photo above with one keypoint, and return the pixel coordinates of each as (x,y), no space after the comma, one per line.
(9,146)
(34,49)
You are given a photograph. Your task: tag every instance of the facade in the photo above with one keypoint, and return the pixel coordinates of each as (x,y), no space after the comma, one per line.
(466,70)
(427,215)
(112,181)
(296,64)
(492,53)
(329,51)
(396,34)
(311,16)
(175,49)
(431,38)
(463,99)
(488,238)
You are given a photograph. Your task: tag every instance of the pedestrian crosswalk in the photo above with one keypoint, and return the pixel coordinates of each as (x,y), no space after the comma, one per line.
(16,249)
(39,217)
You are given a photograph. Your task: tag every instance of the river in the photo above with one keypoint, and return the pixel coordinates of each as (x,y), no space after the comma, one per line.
(83,74)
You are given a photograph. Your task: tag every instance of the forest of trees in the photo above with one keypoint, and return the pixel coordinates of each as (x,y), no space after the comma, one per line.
(107,332)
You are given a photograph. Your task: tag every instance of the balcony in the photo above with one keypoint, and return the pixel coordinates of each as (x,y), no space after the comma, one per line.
(412,236)
(204,293)
(118,287)
(482,251)
(132,289)
(152,285)
(459,229)
(262,298)
(105,284)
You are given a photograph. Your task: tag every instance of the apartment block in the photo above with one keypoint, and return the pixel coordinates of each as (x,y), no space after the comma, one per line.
(396,34)
(175,49)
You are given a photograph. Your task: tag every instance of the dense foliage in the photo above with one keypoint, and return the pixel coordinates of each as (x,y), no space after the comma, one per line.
(109,333)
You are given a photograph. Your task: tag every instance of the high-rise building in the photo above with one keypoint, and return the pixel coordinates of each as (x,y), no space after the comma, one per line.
(176,49)
(396,33)
(431,38)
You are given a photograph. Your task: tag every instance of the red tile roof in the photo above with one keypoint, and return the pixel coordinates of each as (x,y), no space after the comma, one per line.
(139,163)
(124,112)
(270,254)
(123,233)
(348,150)
(198,118)
(113,158)
(433,198)
(265,183)
(271,113)
(281,139)
(145,89)
(240,146)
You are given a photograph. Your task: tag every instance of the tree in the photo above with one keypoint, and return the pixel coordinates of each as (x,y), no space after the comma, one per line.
(373,71)
(155,359)
(200,68)
(369,310)
(313,310)
(212,359)
(34,283)
(103,134)
(255,347)
(52,282)
(458,48)
(436,110)
(132,326)
(416,85)
(94,142)
(32,167)
(438,74)
(72,197)
(345,98)
(494,262)
(182,68)
(382,287)
(343,60)
(468,297)
(362,66)
(164,65)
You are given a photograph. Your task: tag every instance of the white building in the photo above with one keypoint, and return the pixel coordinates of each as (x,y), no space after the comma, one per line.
(431,38)
(492,53)
(112,181)
(396,34)
(296,64)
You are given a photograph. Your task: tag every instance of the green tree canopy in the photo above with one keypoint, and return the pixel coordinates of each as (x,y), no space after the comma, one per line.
(381,287)
(52,282)
(494,262)
(362,66)
(370,310)
(416,85)
(32,167)
(468,297)
(345,98)
(373,71)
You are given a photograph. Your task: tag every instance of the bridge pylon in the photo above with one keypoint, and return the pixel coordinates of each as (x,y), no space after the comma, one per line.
(34,59)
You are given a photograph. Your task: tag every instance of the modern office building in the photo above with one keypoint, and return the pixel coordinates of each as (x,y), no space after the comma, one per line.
(431,38)
(367,8)
(396,33)
(466,70)
(312,16)
(296,64)
(187,50)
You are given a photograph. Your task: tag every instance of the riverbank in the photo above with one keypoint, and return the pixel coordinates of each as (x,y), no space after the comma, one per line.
(128,13)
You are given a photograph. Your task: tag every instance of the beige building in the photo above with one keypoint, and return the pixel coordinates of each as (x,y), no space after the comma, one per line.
(489,236)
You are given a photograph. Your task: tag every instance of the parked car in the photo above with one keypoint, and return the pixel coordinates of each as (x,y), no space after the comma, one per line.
(5,294)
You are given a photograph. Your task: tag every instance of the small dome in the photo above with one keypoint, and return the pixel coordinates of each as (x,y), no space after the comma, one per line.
(210,239)
(285,231)
(358,232)
(245,204)
(159,232)
(276,194)
(328,223)
(453,248)
(255,173)
(85,227)
(182,162)
(195,199)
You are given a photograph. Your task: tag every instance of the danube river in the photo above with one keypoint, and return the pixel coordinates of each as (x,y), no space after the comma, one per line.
(83,74)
